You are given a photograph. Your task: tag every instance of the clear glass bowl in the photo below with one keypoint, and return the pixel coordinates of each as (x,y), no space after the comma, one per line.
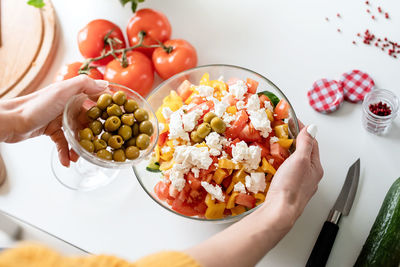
(90,172)
(148,179)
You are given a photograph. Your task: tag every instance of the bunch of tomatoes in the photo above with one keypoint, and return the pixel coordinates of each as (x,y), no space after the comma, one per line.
(108,57)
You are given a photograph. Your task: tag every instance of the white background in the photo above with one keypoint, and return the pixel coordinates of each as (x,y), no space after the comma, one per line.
(287,41)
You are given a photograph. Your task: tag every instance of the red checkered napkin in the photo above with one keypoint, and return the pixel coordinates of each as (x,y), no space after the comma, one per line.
(325,95)
(356,84)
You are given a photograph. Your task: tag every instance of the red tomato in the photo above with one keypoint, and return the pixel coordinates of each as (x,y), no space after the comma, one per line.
(246,200)
(251,85)
(138,75)
(91,39)
(281,110)
(195,183)
(277,151)
(71,70)
(162,138)
(162,190)
(183,208)
(232,100)
(277,123)
(201,208)
(227,181)
(264,98)
(198,100)
(154,24)
(228,148)
(264,148)
(237,125)
(205,107)
(250,134)
(184,90)
(183,56)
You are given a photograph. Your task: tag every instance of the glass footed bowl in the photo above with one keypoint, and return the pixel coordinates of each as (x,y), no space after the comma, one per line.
(149,179)
(91,172)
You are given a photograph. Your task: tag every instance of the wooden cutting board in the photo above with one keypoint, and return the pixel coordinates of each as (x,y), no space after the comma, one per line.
(28,44)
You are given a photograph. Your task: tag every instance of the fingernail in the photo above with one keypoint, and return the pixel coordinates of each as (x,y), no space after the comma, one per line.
(103,84)
(312,130)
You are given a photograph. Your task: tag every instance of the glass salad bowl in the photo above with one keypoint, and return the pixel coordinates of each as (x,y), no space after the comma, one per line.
(90,171)
(148,179)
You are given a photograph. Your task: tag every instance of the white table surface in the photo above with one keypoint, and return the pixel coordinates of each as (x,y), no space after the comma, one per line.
(289,42)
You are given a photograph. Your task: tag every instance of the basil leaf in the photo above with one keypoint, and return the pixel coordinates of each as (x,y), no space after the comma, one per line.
(274,99)
(36,3)
(124,2)
(134,6)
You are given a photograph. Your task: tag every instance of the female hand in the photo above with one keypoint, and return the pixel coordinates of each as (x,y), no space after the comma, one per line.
(41,113)
(296,180)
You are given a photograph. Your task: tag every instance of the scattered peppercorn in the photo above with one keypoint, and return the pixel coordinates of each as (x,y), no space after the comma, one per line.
(380,109)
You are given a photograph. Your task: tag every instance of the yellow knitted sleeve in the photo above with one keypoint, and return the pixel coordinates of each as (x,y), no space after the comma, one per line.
(33,255)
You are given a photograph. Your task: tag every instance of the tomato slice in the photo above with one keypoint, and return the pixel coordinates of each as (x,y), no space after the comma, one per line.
(162,138)
(195,183)
(162,190)
(245,200)
(264,98)
(281,110)
(201,208)
(183,208)
(250,134)
(184,90)
(277,123)
(204,107)
(279,152)
(251,85)
(238,125)
(264,148)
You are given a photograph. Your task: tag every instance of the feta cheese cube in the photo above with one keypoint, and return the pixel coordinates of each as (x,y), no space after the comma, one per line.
(239,187)
(259,119)
(253,103)
(238,89)
(214,191)
(256,182)
(205,90)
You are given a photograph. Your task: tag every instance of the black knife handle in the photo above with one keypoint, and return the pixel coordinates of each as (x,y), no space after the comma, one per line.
(322,248)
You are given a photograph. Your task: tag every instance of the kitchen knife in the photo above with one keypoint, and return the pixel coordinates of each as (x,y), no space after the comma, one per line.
(323,246)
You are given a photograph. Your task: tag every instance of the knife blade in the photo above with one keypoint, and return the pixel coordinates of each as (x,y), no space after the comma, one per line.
(323,246)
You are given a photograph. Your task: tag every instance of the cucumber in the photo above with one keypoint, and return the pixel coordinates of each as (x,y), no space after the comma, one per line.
(153,166)
(274,99)
(382,247)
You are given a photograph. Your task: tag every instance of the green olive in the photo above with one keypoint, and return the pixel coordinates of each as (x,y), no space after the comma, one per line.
(125,132)
(146,127)
(132,152)
(195,138)
(135,129)
(119,155)
(87,145)
(93,113)
(99,144)
(218,125)
(142,141)
(104,115)
(114,110)
(96,127)
(115,141)
(112,124)
(141,115)
(128,119)
(203,130)
(130,105)
(130,142)
(119,98)
(104,154)
(104,101)
(105,136)
(86,134)
(209,116)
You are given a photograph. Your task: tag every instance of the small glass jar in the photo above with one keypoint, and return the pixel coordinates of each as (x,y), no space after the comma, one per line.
(379,124)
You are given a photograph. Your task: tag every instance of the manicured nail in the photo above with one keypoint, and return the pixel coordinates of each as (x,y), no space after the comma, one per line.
(312,130)
(103,84)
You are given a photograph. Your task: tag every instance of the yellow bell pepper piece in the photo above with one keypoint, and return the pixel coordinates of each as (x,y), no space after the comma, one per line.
(231,110)
(260,198)
(220,175)
(239,176)
(157,153)
(215,211)
(267,167)
(238,210)
(281,131)
(168,155)
(269,114)
(285,143)
(267,188)
(209,201)
(228,164)
(205,79)
(231,200)
(268,178)
(159,115)
(172,97)
(166,165)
